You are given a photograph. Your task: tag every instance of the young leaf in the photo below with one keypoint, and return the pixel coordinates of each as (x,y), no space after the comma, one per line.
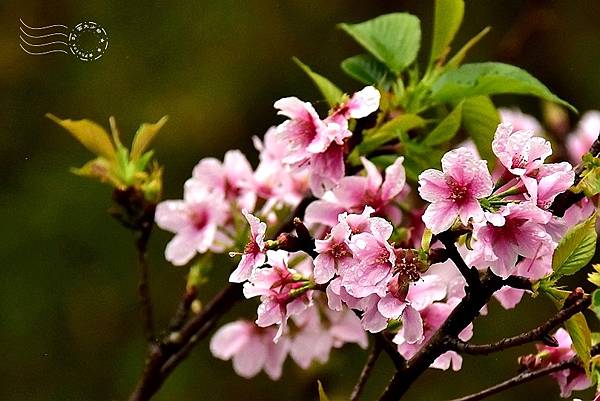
(446,129)
(489,79)
(366,69)
(144,135)
(460,55)
(480,119)
(330,92)
(595,307)
(394,39)
(594,277)
(322,394)
(89,134)
(447,19)
(576,248)
(579,332)
(590,181)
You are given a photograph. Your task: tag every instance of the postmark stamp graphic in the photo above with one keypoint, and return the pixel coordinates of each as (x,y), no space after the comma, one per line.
(87,41)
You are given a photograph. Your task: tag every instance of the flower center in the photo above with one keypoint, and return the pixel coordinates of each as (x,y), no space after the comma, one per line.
(340,250)
(458,192)
(199,218)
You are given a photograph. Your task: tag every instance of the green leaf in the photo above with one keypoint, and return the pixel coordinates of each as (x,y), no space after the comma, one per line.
(89,134)
(480,119)
(489,79)
(322,394)
(366,69)
(447,19)
(595,307)
(582,338)
(576,248)
(460,55)
(446,129)
(98,168)
(144,135)
(389,131)
(419,157)
(394,39)
(330,92)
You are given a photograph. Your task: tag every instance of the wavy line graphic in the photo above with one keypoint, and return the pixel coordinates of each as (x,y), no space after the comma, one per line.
(44,39)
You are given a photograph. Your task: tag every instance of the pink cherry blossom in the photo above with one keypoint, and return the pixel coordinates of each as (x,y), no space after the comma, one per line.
(195,220)
(361,104)
(517,230)
(318,331)
(519,151)
(355,192)
(254,253)
(568,379)
(274,181)
(375,259)
(319,144)
(433,317)
(552,179)
(580,141)
(455,191)
(233,177)
(276,285)
(334,253)
(251,348)
(304,131)
(519,120)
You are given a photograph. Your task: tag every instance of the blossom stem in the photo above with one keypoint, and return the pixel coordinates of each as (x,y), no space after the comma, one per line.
(537,334)
(366,370)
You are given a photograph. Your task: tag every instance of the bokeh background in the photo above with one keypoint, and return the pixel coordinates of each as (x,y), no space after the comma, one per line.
(69,325)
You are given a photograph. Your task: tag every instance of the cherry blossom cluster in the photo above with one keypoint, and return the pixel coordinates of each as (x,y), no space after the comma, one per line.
(373,261)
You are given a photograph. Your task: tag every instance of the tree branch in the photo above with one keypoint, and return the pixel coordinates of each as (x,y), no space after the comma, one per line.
(470,274)
(366,371)
(527,376)
(175,351)
(540,333)
(141,245)
(519,379)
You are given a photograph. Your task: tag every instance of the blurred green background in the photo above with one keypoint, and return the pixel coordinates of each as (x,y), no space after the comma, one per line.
(69,324)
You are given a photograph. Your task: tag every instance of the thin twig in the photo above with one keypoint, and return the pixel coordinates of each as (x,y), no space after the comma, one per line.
(537,334)
(143,288)
(366,371)
(519,379)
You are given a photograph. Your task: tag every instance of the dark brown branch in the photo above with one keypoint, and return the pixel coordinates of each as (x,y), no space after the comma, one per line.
(143,288)
(519,379)
(540,333)
(470,274)
(392,350)
(527,376)
(193,331)
(366,371)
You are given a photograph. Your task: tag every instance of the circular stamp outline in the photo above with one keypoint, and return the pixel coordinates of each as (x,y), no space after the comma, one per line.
(101,41)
